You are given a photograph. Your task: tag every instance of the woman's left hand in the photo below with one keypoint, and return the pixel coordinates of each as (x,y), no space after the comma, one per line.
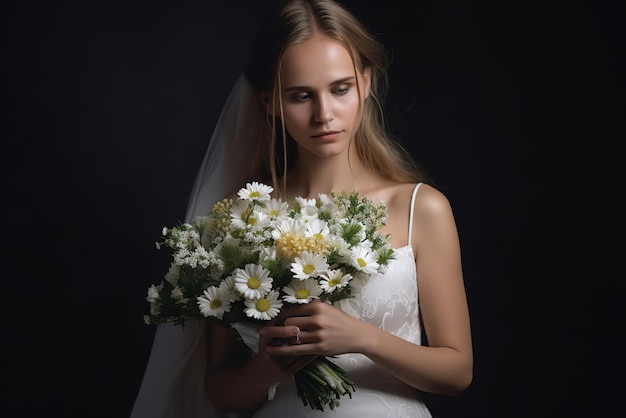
(324,330)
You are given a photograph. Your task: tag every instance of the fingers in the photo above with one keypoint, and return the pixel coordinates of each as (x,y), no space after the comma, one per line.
(284,332)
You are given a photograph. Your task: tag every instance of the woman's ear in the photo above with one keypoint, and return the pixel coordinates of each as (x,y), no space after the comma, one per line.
(266,102)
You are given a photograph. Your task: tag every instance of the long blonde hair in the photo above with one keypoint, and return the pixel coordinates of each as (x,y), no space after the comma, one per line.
(295,22)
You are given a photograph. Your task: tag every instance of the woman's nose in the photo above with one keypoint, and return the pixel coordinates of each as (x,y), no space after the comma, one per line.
(323,110)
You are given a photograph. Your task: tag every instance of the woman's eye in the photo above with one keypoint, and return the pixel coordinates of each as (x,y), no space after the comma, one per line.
(301,97)
(341,90)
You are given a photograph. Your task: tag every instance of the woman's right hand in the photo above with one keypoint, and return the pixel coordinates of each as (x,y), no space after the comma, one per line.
(274,334)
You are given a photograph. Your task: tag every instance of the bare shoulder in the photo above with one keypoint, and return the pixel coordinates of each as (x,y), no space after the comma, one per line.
(431,203)
(433,222)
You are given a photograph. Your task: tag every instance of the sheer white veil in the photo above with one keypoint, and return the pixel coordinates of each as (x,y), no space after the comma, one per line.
(227,159)
(173,384)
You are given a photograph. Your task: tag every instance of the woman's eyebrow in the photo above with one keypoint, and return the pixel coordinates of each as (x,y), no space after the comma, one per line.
(339,81)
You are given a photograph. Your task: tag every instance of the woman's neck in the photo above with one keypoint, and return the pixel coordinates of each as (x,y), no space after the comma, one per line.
(311,177)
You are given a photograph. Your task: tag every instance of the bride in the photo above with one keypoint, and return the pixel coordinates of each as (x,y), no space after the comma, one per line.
(306,117)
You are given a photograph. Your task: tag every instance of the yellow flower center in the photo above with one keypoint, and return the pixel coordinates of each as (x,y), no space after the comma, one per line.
(302,294)
(215,304)
(273,213)
(262,305)
(361,262)
(334,282)
(318,236)
(254,282)
(308,268)
(254,194)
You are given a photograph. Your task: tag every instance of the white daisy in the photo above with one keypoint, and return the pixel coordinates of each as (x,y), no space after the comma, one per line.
(308,265)
(255,191)
(333,280)
(302,291)
(227,287)
(364,259)
(214,302)
(266,308)
(318,229)
(336,243)
(253,282)
(294,226)
(241,214)
(275,209)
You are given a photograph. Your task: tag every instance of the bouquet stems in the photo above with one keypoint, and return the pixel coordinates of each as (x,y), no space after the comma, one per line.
(322,383)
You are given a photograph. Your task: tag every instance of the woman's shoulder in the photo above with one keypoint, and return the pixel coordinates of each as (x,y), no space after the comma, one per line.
(430,200)
(423,196)
(428,203)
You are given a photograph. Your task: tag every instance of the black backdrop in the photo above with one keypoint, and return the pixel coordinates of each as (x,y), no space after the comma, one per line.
(515,108)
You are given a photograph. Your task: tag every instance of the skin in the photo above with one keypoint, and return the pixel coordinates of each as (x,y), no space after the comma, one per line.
(320,95)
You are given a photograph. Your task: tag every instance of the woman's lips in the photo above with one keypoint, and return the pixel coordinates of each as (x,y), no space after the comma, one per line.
(327,136)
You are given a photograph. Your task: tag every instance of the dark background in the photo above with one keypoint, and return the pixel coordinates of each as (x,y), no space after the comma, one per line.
(515,108)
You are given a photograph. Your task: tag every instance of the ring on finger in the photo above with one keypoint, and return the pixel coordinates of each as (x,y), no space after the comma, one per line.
(298,338)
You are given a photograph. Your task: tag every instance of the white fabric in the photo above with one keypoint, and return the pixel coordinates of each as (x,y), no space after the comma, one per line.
(389,302)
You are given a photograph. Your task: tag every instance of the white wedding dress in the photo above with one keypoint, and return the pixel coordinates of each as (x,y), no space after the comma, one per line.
(390,302)
(173,385)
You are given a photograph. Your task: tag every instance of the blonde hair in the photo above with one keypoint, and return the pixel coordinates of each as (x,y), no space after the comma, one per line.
(295,22)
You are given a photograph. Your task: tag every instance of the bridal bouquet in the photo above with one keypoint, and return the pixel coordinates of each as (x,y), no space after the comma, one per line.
(248,257)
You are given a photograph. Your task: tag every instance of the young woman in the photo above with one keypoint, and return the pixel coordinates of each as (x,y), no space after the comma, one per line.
(312,95)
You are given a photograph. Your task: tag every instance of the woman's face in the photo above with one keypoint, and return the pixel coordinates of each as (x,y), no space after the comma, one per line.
(320,96)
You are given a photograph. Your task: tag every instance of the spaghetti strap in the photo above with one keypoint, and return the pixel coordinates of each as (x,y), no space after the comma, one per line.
(417,186)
